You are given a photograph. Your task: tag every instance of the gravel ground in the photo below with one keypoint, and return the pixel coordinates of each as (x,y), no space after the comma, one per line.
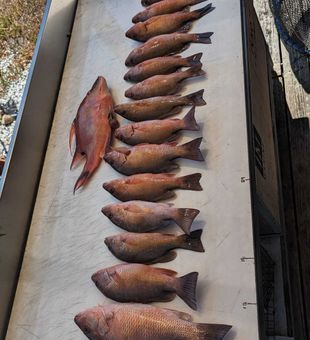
(13,91)
(19,24)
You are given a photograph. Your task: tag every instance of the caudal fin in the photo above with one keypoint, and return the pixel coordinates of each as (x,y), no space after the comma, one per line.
(199,13)
(212,331)
(88,170)
(194,71)
(191,182)
(203,38)
(184,218)
(186,289)
(190,122)
(192,241)
(191,150)
(196,98)
(194,59)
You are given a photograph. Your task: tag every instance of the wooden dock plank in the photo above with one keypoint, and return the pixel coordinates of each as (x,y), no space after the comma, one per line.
(296,74)
(270,32)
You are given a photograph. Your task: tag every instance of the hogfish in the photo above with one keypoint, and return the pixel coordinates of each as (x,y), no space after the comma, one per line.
(92,128)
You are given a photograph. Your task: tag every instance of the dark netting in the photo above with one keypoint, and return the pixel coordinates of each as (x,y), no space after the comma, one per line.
(292,18)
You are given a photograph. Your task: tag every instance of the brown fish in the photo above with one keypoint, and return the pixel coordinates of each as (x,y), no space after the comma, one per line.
(166,44)
(140,217)
(148,2)
(144,322)
(158,107)
(152,248)
(92,129)
(151,187)
(162,85)
(153,158)
(164,7)
(166,23)
(160,65)
(142,283)
(156,131)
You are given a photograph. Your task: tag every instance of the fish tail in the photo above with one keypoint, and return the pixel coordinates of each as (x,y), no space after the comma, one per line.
(191,150)
(191,182)
(186,289)
(88,170)
(199,13)
(190,121)
(194,71)
(193,59)
(192,241)
(203,38)
(184,218)
(212,331)
(196,98)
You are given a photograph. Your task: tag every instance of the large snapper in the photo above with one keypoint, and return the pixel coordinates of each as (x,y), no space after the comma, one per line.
(156,131)
(160,65)
(167,23)
(158,107)
(163,84)
(142,283)
(143,322)
(141,217)
(152,247)
(153,158)
(164,7)
(166,44)
(151,187)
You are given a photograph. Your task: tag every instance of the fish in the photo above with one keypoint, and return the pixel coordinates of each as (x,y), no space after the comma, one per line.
(144,322)
(158,107)
(151,187)
(160,65)
(156,131)
(152,158)
(141,217)
(150,248)
(164,84)
(164,7)
(166,44)
(92,129)
(148,2)
(167,23)
(136,282)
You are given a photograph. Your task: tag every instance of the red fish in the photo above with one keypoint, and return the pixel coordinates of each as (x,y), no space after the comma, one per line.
(92,128)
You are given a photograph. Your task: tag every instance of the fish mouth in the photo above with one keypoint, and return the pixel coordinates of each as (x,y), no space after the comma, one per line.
(136,19)
(107,157)
(130,34)
(128,93)
(127,76)
(106,211)
(130,61)
(108,188)
(77,319)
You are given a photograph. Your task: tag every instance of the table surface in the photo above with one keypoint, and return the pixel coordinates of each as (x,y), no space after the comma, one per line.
(65,244)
